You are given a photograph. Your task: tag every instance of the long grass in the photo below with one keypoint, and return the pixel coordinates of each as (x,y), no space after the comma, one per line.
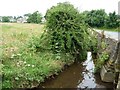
(20,66)
(14,35)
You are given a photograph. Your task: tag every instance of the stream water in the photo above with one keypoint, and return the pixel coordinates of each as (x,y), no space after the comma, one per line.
(78,75)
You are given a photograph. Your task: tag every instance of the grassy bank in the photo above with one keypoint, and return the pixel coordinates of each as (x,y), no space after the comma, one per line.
(109,29)
(21,65)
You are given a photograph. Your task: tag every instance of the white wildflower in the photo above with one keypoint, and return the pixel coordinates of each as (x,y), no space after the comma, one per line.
(13,55)
(19,54)
(28,65)
(24,62)
(33,65)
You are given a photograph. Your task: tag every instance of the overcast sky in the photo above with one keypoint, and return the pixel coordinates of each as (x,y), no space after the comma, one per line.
(21,7)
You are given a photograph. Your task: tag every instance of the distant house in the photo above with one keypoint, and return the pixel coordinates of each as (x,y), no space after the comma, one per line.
(22,20)
(12,20)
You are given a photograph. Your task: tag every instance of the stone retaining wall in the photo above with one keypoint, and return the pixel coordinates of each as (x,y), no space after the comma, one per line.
(110,72)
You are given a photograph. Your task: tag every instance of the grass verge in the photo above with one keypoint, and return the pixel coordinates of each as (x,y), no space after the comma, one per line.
(22,67)
(109,29)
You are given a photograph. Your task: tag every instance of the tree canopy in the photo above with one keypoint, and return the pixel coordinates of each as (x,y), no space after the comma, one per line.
(5,19)
(99,18)
(95,18)
(36,17)
(112,20)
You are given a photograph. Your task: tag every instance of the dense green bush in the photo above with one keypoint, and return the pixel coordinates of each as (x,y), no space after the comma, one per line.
(67,31)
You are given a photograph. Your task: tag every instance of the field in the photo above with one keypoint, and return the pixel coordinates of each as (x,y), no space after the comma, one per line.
(22,67)
(15,35)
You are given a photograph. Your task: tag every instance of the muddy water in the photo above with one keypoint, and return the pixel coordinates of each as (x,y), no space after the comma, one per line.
(78,75)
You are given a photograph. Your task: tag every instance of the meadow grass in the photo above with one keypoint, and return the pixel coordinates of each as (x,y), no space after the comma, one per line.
(22,67)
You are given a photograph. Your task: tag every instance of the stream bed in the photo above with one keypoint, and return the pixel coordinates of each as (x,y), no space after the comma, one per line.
(78,75)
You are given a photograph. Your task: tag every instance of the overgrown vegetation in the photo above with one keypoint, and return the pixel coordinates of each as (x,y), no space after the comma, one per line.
(23,66)
(102,55)
(101,60)
(29,57)
(27,62)
(100,19)
(93,41)
(67,31)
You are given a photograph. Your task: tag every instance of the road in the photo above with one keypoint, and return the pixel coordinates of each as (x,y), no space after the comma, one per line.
(111,34)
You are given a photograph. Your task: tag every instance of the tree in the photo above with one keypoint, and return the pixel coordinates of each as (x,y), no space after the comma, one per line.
(27,15)
(5,19)
(36,17)
(19,17)
(112,20)
(96,18)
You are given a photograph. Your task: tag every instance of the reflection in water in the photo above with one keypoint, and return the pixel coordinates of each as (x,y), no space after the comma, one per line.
(78,75)
(88,76)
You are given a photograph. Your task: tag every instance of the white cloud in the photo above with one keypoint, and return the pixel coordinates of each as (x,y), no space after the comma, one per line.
(21,7)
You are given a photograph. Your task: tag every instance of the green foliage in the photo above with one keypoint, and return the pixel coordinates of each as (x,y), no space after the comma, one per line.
(36,17)
(93,42)
(101,61)
(39,44)
(27,69)
(94,47)
(101,57)
(103,45)
(5,19)
(95,18)
(25,64)
(66,29)
(112,21)
(99,18)
(66,37)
